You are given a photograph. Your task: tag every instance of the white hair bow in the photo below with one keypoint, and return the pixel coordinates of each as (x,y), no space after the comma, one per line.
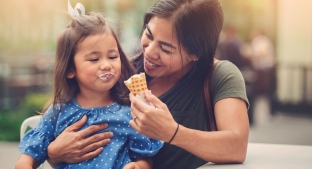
(74,11)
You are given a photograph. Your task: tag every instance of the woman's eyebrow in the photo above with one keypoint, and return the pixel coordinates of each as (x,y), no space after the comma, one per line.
(167,44)
(161,42)
(148,29)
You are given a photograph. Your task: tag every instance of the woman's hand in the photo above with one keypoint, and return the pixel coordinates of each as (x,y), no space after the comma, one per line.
(74,146)
(154,122)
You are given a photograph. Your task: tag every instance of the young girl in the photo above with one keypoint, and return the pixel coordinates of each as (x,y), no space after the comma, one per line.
(88,81)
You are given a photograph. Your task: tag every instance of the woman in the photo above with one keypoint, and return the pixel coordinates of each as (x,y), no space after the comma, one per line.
(178,42)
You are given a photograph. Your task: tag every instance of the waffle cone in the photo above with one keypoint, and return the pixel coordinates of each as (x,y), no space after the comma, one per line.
(136,83)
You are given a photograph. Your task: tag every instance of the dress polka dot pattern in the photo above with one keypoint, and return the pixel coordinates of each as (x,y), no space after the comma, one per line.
(126,145)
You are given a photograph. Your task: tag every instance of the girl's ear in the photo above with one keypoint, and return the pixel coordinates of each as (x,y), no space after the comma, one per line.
(71,74)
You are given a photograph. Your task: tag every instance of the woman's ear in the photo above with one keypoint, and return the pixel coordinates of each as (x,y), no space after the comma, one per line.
(194,58)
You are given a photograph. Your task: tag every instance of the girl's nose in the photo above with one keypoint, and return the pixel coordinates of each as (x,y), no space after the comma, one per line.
(105,65)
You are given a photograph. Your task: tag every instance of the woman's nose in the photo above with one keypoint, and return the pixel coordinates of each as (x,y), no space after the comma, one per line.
(151,51)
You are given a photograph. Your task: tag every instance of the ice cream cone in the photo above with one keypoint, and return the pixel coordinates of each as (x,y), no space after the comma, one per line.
(137,85)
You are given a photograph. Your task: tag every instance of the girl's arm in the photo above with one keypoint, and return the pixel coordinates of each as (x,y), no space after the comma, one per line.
(26,162)
(227,145)
(141,163)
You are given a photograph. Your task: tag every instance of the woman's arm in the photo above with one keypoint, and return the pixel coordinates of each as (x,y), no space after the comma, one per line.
(227,145)
(26,162)
(141,163)
(74,146)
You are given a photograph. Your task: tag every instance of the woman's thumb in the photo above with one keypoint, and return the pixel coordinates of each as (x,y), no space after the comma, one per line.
(153,99)
(76,126)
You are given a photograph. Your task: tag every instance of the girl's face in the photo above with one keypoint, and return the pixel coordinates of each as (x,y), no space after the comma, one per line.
(162,56)
(97,63)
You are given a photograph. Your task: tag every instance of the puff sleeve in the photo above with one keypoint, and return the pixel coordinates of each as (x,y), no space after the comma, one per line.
(36,140)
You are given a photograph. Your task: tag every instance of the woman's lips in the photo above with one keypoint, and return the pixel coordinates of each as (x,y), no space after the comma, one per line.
(150,65)
(106,76)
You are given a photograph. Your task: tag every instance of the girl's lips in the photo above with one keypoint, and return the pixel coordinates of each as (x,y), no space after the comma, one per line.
(106,76)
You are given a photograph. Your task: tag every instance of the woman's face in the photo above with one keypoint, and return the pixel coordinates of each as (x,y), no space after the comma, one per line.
(162,56)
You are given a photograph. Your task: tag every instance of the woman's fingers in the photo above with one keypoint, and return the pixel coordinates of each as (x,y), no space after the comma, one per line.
(137,106)
(154,100)
(77,125)
(74,146)
(92,129)
(153,121)
(89,155)
(97,140)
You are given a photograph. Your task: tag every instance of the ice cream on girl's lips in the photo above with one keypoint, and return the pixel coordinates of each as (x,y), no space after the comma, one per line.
(106,76)
(137,86)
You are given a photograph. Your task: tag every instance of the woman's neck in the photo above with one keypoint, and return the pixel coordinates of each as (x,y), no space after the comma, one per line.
(160,85)
(90,100)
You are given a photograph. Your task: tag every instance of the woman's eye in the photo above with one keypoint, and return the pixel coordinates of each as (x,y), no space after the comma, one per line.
(167,51)
(149,36)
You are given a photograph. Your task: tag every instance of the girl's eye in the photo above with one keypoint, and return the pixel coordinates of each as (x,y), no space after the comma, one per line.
(93,60)
(113,57)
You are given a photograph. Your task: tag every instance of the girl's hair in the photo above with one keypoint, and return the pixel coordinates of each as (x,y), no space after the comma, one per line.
(197,24)
(80,27)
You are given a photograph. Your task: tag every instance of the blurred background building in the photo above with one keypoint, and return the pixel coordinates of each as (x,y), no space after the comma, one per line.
(269,40)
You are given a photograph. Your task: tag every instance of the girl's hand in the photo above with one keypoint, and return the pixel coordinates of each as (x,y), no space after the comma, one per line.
(141,163)
(154,122)
(132,165)
(74,146)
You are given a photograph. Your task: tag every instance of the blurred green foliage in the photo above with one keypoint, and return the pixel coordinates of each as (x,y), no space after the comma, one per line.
(11,120)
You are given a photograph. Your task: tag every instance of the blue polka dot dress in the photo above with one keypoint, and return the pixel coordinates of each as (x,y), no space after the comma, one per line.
(126,145)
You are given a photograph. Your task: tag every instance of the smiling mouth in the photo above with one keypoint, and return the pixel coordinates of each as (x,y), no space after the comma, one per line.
(106,76)
(150,64)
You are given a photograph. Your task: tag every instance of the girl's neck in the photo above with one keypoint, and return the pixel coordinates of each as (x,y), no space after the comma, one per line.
(94,100)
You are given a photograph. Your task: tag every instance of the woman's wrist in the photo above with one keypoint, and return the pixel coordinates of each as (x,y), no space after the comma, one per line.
(51,160)
(52,163)
(174,134)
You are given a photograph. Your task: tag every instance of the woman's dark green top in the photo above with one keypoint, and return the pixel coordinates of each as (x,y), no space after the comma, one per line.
(186,103)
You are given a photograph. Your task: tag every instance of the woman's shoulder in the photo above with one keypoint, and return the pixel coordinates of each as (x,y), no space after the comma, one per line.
(224,65)
(227,81)
(226,69)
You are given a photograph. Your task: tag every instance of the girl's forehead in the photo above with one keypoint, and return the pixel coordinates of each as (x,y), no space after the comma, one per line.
(98,42)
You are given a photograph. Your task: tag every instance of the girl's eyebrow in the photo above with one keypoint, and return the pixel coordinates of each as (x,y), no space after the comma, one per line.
(97,52)
(161,42)
(92,53)
(113,50)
